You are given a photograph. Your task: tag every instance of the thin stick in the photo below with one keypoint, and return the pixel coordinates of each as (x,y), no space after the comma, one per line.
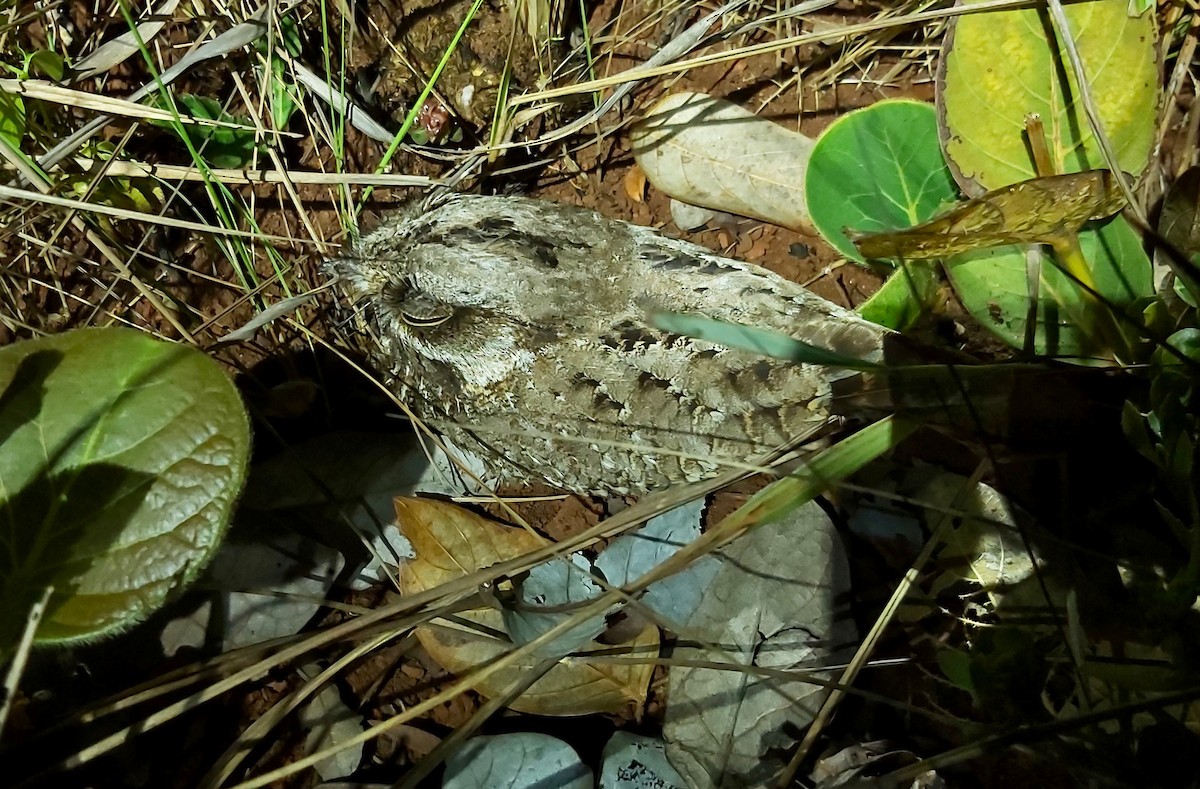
(21,656)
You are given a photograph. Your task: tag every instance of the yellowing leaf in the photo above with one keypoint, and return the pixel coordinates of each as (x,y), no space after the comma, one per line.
(1034,211)
(999,66)
(450,542)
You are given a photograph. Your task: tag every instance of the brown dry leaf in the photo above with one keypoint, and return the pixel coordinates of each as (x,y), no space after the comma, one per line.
(635,184)
(450,542)
(1030,212)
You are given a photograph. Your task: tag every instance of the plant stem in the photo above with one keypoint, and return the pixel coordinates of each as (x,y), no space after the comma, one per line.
(1094,318)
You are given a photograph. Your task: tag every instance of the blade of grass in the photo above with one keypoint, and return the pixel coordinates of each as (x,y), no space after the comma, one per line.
(762,341)
(411,118)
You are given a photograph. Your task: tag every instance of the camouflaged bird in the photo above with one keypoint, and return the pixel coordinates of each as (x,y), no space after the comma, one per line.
(522,330)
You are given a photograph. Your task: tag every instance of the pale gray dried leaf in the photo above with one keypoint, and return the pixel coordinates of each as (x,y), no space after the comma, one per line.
(263,589)
(388,548)
(633,555)
(119,49)
(771,605)
(329,723)
(882,521)
(361,472)
(353,478)
(523,760)
(551,585)
(710,152)
(690,217)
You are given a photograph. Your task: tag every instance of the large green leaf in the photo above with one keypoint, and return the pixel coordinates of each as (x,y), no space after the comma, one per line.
(877,169)
(120,459)
(999,66)
(993,286)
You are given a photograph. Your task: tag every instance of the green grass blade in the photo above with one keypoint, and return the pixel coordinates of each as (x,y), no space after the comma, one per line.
(825,470)
(749,338)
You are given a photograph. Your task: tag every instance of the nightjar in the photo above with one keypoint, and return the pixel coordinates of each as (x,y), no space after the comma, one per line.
(521,329)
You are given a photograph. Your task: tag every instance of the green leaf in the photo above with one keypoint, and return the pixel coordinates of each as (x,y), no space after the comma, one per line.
(956,667)
(12,119)
(877,169)
(1187,342)
(993,286)
(902,299)
(120,459)
(283,106)
(762,341)
(136,194)
(46,63)
(999,66)
(1133,424)
(289,36)
(220,146)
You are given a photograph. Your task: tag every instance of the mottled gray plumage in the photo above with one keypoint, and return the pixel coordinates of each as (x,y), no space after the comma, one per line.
(502,317)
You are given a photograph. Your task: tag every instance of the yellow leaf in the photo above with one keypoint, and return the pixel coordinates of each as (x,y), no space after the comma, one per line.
(450,542)
(998,67)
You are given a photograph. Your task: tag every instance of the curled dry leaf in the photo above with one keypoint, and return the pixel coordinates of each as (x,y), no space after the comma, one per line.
(712,153)
(985,547)
(450,542)
(1035,211)
(635,184)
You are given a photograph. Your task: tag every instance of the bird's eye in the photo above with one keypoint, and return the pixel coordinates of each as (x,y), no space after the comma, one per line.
(425,321)
(414,308)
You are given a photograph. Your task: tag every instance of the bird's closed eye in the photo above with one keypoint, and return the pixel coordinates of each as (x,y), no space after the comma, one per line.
(415,308)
